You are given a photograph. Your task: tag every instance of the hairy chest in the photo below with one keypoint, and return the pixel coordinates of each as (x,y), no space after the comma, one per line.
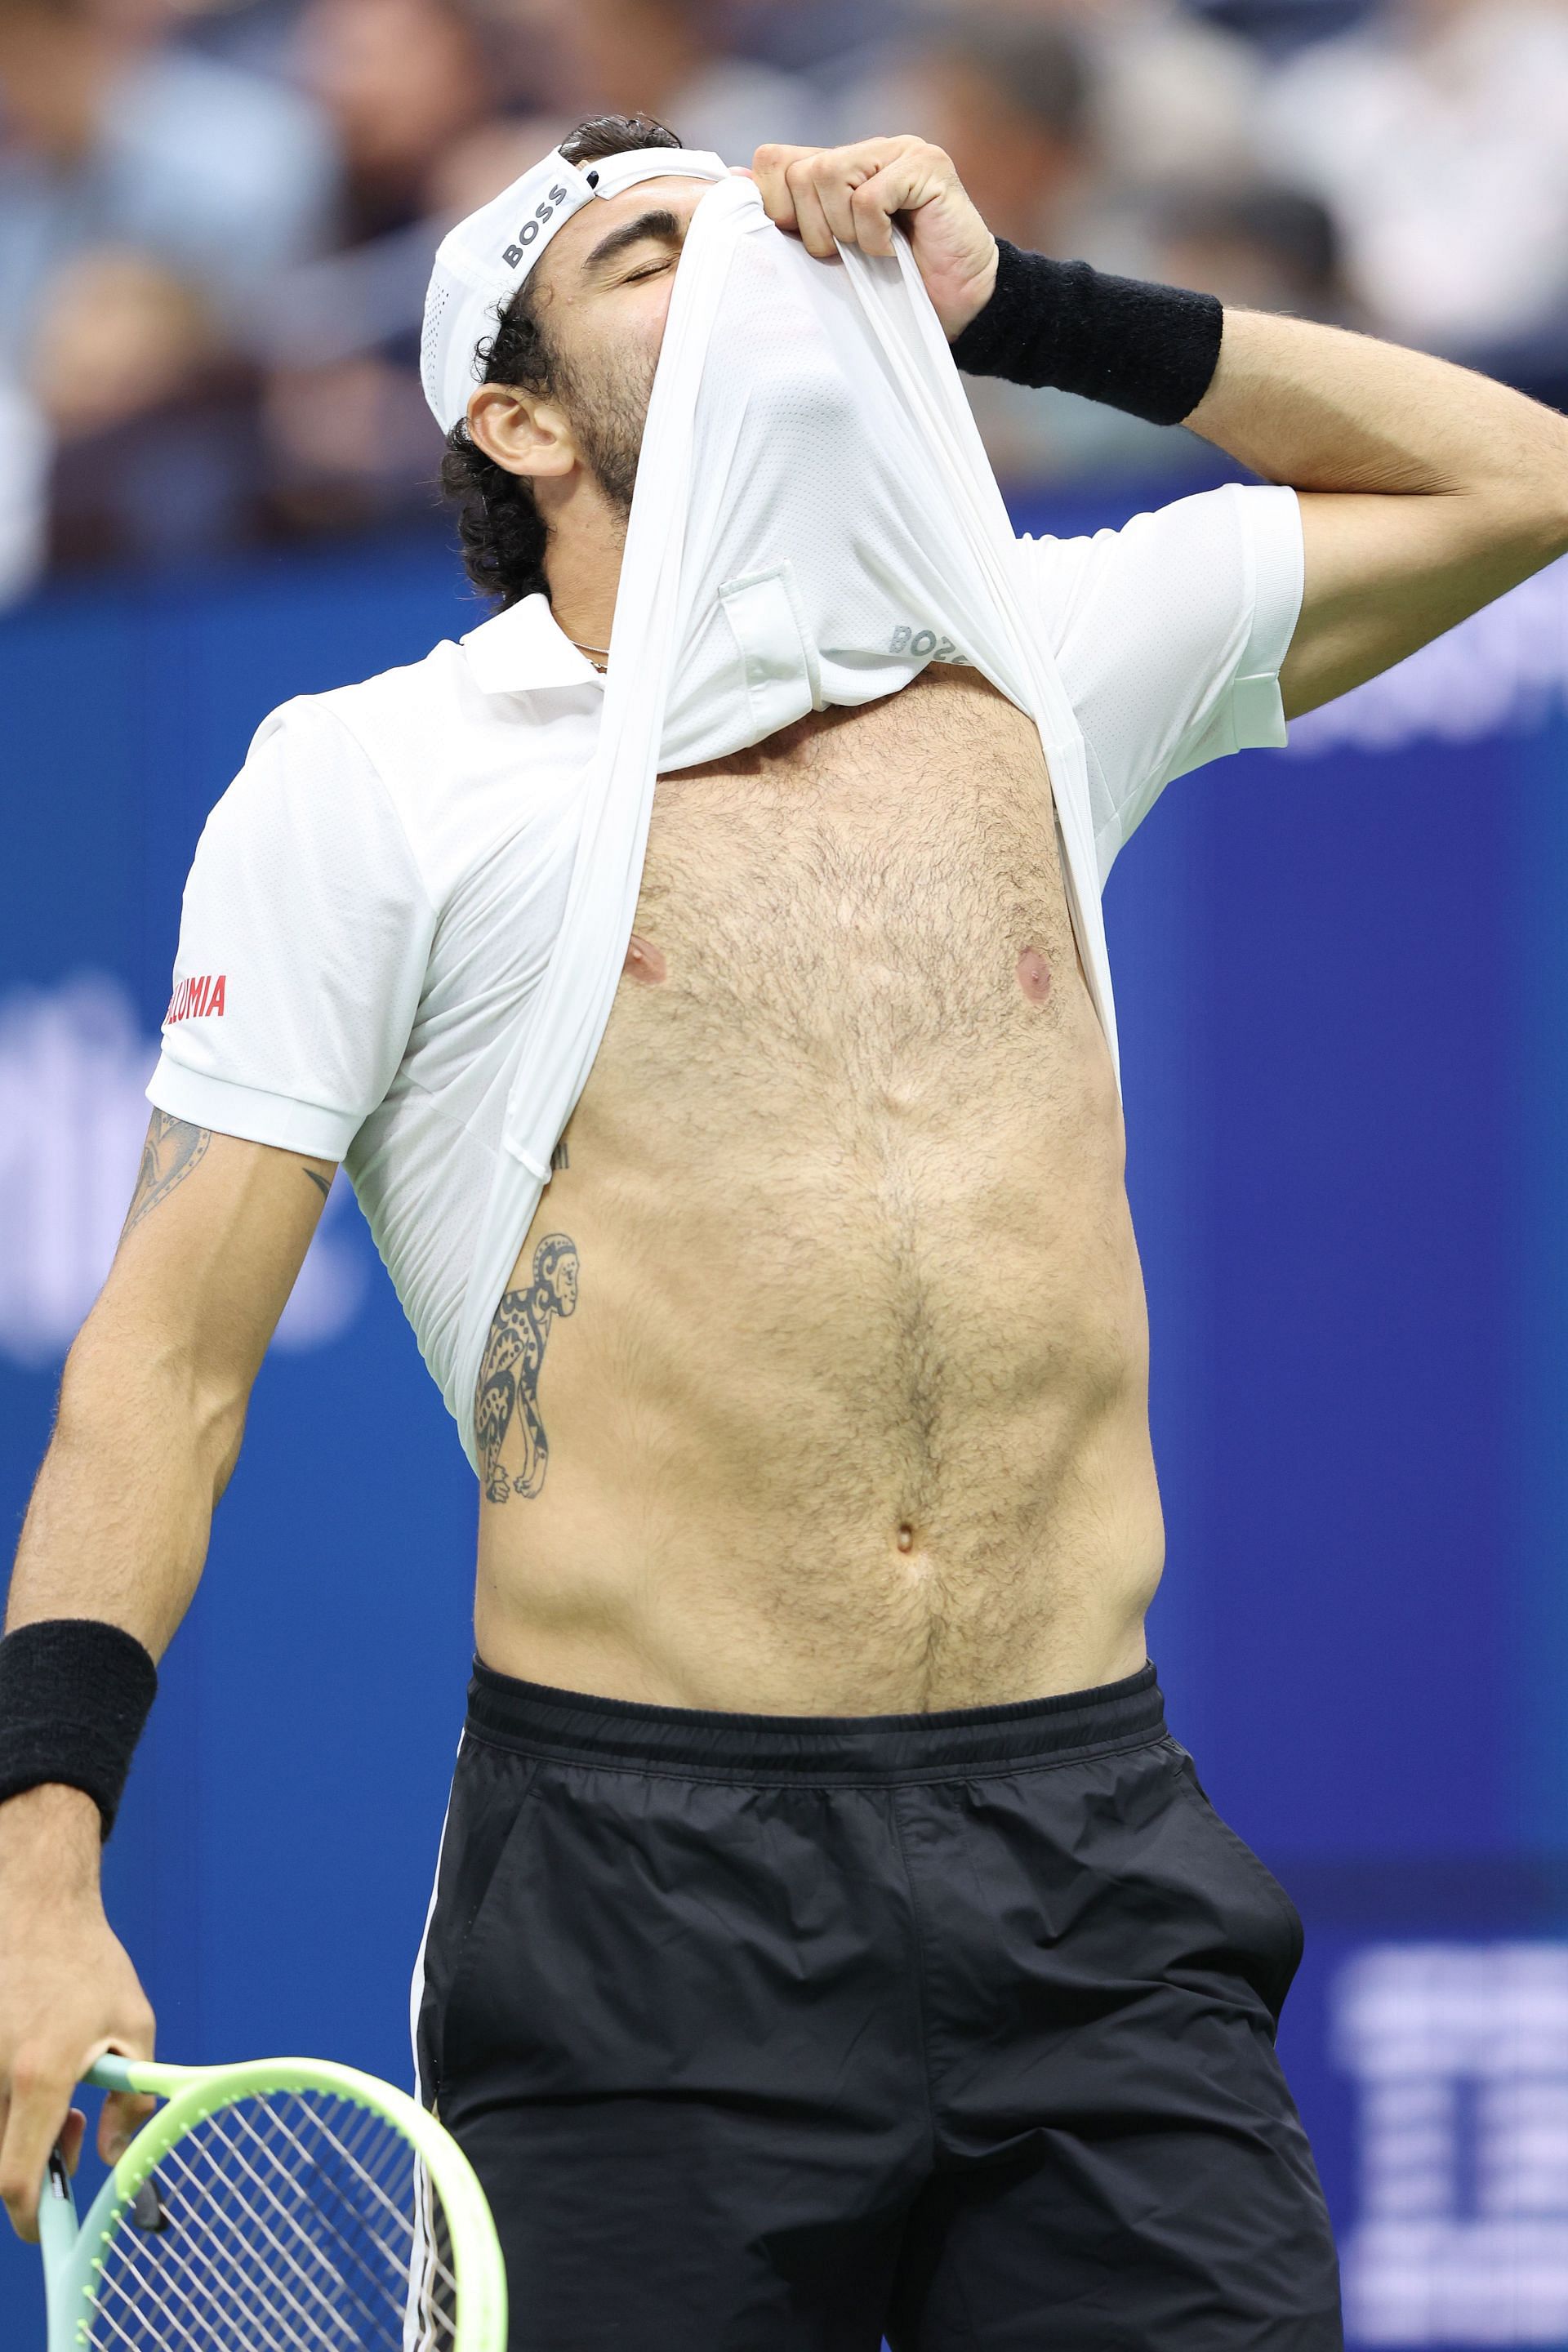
(867,911)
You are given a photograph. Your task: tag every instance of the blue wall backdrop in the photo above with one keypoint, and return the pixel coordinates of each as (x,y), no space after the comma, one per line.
(1342,973)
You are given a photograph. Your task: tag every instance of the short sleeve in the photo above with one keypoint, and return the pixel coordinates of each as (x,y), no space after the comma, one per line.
(304,935)
(1169,634)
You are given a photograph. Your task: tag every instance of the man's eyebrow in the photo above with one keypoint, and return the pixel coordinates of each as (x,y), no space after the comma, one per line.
(661,225)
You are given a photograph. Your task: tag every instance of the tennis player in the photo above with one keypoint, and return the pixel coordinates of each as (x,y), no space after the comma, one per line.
(828,1937)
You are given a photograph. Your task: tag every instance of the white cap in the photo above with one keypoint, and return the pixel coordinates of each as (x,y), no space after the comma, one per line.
(481,264)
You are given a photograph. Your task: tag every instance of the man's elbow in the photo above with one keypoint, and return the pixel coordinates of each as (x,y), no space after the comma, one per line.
(1528,498)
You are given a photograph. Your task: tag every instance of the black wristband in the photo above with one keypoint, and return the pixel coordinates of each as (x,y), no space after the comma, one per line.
(1151,349)
(74,1695)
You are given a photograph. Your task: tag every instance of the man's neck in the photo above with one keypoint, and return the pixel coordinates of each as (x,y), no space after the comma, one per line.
(583,571)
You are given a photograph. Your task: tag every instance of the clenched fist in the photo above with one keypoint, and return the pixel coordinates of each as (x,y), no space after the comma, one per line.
(851,196)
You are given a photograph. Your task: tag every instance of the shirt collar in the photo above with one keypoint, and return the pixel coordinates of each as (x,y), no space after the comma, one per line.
(524,648)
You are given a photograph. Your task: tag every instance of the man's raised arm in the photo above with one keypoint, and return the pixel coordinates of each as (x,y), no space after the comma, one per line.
(1426,489)
(151,1410)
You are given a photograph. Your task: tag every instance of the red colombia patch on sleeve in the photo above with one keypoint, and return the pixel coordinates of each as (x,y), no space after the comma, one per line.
(197,999)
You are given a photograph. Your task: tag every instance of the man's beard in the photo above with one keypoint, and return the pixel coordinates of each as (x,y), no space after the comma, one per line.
(607,414)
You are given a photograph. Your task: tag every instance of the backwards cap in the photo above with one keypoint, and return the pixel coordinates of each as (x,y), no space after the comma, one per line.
(481,264)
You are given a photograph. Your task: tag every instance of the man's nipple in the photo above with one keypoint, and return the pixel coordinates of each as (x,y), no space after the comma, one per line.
(644,960)
(1034,975)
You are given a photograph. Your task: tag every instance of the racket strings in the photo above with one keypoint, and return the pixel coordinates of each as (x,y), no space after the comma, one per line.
(295,2222)
(263,2294)
(299,2288)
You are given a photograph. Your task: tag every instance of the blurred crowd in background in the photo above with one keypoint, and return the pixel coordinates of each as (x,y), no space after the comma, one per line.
(217,216)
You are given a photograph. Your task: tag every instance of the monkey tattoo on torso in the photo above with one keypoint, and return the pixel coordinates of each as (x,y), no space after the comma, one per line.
(508,1377)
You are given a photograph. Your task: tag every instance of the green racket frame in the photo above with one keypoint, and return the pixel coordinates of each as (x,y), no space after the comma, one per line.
(73,2255)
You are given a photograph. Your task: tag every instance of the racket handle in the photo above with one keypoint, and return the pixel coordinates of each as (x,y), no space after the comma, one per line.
(112,2073)
(56,2233)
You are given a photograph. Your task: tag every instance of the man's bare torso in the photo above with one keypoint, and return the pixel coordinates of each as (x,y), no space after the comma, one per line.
(822,1383)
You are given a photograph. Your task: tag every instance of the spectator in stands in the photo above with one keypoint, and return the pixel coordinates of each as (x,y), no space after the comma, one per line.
(1172,95)
(110,134)
(118,334)
(1178,95)
(146,198)
(821,38)
(400,81)
(1437,133)
(412,88)
(1013,98)
(1259,246)
(256,35)
(1010,99)
(668,58)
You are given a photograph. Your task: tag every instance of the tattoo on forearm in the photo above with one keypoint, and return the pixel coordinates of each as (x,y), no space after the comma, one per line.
(560,1158)
(172,1150)
(324,1182)
(514,1452)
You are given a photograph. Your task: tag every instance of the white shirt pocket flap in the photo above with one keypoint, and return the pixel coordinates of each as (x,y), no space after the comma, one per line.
(776,660)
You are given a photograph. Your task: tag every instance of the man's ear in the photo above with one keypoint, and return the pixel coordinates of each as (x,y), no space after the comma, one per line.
(521,431)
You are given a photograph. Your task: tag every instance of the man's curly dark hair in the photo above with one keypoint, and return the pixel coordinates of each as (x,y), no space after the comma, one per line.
(502,531)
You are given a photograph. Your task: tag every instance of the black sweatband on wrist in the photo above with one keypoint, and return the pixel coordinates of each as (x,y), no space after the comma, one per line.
(74,1695)
(1151,349)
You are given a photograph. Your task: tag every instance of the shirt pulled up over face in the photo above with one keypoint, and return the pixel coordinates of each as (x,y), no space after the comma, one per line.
(417,893)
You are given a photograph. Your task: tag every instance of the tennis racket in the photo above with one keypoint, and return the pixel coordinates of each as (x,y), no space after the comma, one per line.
(284,2205)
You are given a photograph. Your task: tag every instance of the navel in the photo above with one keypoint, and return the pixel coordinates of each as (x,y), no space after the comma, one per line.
(1034,975)
(644,960)
(905,1535)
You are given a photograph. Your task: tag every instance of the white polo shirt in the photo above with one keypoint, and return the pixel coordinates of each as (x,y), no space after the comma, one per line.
(391,953)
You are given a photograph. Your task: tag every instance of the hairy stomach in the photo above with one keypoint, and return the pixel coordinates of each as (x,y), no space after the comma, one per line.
(841,1435)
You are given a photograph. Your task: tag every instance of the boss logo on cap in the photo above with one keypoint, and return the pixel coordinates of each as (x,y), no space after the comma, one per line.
(531,229)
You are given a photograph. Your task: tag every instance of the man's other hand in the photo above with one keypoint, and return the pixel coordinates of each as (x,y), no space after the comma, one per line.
(851,196)
(67,1993)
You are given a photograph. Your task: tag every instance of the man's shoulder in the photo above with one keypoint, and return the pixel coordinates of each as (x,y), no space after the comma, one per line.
(390,718)
(425,749)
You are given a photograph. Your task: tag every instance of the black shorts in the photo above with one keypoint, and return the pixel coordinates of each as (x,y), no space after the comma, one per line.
(776,2032)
